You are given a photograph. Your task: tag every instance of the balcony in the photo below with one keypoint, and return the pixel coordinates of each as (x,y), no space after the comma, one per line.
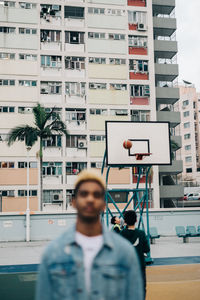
(166,72)
(167,95)
(171,191)
(169,116)
(141,3)
(177,140)
(18,15)
(48,45)
(175,168)
(164,26)
(165,49)
(163,6)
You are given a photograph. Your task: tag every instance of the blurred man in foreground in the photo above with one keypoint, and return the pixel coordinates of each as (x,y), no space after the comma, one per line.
(88,262)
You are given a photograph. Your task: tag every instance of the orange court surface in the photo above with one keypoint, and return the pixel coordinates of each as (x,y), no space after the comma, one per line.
(173,282)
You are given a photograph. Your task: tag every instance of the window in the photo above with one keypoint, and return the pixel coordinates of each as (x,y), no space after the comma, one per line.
(23,193)
(26,5)
(140,90)
(73,168)
(23,164)
(117,61)
(9,193)
(188,158)
(50,196)
(194,104)
(137,17)
(96,11)
(96,35)
(186,125)
(74,12)
(72,140)
(52,168)
(27,83)
(25,110)
(27,31)
(97,60)
(116,36)
(48,61)
(188,147)
(140,115)
(7,165)
(119,112)
(7,29)
(6,109)
(75,89)
(74,37)
(76,115)
(57,111)
(117,86)
(186,113)
(8,3)
(74,63)
(187,136)
(97,165)
(137,41)
(7,82)
(51,87)
(138,65)
(53,36)
(99,138)
(4,55)
(115,12)
(30,57)
(98,86)
(188,170)
(97,111)
(185,103)
(49,12)
(54,141)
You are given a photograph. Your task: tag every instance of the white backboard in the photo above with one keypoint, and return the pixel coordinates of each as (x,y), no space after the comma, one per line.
(146,137)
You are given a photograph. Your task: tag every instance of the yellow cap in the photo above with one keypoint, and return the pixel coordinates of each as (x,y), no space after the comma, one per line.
(90,175)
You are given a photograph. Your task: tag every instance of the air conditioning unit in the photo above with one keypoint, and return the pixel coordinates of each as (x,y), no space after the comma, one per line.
(141,27)
(44,91)
(57,197)
(93,86)
(28,109)
(82,144)
(55,7)
(98,165)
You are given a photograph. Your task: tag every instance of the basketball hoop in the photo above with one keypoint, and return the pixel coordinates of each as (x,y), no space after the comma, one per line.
(139,156)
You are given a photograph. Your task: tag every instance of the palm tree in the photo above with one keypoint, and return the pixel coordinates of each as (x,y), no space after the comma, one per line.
(46,125)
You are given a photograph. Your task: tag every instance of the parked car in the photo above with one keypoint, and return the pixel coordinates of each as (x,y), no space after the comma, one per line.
(191,196)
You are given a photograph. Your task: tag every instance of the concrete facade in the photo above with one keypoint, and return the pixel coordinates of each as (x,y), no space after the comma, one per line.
(86,57)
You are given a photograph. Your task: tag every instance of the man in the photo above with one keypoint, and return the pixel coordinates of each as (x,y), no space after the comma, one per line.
(87,262)
(138,240)
(116,224)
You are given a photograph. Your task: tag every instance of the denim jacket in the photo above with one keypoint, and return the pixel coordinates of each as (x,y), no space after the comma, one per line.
(115,272)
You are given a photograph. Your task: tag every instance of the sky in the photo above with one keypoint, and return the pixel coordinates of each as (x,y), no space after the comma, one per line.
(188,37)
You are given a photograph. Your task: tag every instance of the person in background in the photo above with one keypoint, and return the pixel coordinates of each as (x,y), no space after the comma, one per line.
(115,221)
(138,239)
(89,262)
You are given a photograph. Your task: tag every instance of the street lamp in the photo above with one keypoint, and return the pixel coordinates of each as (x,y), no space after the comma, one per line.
(28,148)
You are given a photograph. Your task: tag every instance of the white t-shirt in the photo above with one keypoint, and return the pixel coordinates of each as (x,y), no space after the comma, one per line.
(90,246)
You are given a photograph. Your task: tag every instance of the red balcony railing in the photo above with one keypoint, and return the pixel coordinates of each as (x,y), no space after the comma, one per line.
(137,50)
(137,3)
(138,76)
(139,100)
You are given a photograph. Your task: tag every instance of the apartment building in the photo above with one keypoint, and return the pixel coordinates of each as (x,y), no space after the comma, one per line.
(94,60)
(189,129)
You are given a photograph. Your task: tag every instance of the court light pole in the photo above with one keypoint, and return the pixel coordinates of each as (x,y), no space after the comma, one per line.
(28,148)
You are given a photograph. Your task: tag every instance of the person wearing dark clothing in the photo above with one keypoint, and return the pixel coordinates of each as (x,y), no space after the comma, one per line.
(116,224)
(138,239)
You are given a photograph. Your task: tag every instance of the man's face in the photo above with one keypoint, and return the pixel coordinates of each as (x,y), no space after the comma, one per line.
(117,221)
(89,201)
